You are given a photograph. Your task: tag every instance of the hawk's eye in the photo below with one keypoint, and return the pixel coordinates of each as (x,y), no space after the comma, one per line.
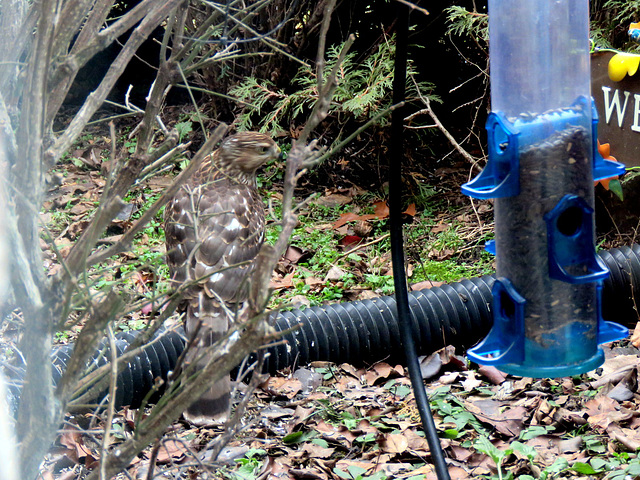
(263,149)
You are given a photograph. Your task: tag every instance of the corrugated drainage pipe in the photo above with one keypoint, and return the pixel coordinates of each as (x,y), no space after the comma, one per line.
(364,332)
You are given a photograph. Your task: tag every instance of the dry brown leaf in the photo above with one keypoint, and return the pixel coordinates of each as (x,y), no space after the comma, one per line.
(336,434)
(471,382)
(381,211)
(424,285)
(76,449)
(411,210)
(316,451)
(603,411)
(334,200)
(283,387)
(351,370)
(626,436)
(172,451)
(394,443)
(416,443)
(494,375)
(278,282)
(335,274)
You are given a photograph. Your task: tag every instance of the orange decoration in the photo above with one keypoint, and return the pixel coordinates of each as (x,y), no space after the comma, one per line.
(604,149)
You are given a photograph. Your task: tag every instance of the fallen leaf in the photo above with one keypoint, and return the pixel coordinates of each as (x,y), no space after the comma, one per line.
(335,274)
(350,240)
(626,436)
(300,301)
(295,255)
(316,451)
(471,382)
(439,228)
(172,451)
(494,375)
(381,211)
(333,200)
(394,443)
(282,282)
(603,411)
(411,210)
(282,387)
(424,285)
(362,228)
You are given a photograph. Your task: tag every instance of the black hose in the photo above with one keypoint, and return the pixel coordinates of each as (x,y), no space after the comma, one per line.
(406,321)
(361,332)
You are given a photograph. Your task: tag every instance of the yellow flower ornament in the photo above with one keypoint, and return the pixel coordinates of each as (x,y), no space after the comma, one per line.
(622,64)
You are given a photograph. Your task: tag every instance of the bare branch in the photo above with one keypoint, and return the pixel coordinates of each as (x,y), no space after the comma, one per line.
(428,110)
(159,10)
(413,6)
(66,71)
(322,41)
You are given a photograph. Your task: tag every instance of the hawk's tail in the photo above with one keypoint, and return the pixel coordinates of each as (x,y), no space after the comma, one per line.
(212,321)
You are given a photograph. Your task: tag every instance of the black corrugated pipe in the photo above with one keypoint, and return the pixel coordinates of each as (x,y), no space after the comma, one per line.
(364,332)
(135,381)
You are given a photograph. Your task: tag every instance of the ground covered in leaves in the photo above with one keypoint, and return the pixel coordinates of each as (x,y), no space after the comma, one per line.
(330,421)
(327,421)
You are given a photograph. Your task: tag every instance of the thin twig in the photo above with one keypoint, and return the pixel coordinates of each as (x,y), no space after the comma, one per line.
(413,6)
(364,245)
(442,128)
(113,385)
(372,121)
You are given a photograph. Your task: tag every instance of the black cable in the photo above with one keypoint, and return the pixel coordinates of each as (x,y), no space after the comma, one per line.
(405,318)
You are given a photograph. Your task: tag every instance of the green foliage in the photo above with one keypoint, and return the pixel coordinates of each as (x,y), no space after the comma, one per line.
(625,10)
(452,410)
(610,21)
(249,466)
(398,389)
(484,445)
(535,431)
(600,36)
(364,89)
(130,145)
(618,467)
(184,129)
(464,23)
(299,437)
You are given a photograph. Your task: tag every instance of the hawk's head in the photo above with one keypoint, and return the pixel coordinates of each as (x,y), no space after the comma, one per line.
(240,155)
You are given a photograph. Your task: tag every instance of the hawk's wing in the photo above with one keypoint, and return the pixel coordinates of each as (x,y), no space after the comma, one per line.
(213,232)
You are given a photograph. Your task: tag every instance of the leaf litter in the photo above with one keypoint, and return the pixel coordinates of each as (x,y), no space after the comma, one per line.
(327,421)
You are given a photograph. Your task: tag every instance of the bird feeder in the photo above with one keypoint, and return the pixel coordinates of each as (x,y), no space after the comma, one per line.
(541,167)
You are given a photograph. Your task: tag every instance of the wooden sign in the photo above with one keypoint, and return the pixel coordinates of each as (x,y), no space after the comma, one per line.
(618,105)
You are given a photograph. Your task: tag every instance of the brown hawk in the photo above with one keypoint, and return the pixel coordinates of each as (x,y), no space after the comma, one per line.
(214,228)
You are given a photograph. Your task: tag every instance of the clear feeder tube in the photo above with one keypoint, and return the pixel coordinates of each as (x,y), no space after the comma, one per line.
(540,171)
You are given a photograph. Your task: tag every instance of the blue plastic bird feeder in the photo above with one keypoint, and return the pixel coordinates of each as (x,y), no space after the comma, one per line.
(541,169)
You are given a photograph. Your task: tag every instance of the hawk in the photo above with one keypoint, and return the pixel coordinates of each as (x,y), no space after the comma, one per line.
(214,228)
